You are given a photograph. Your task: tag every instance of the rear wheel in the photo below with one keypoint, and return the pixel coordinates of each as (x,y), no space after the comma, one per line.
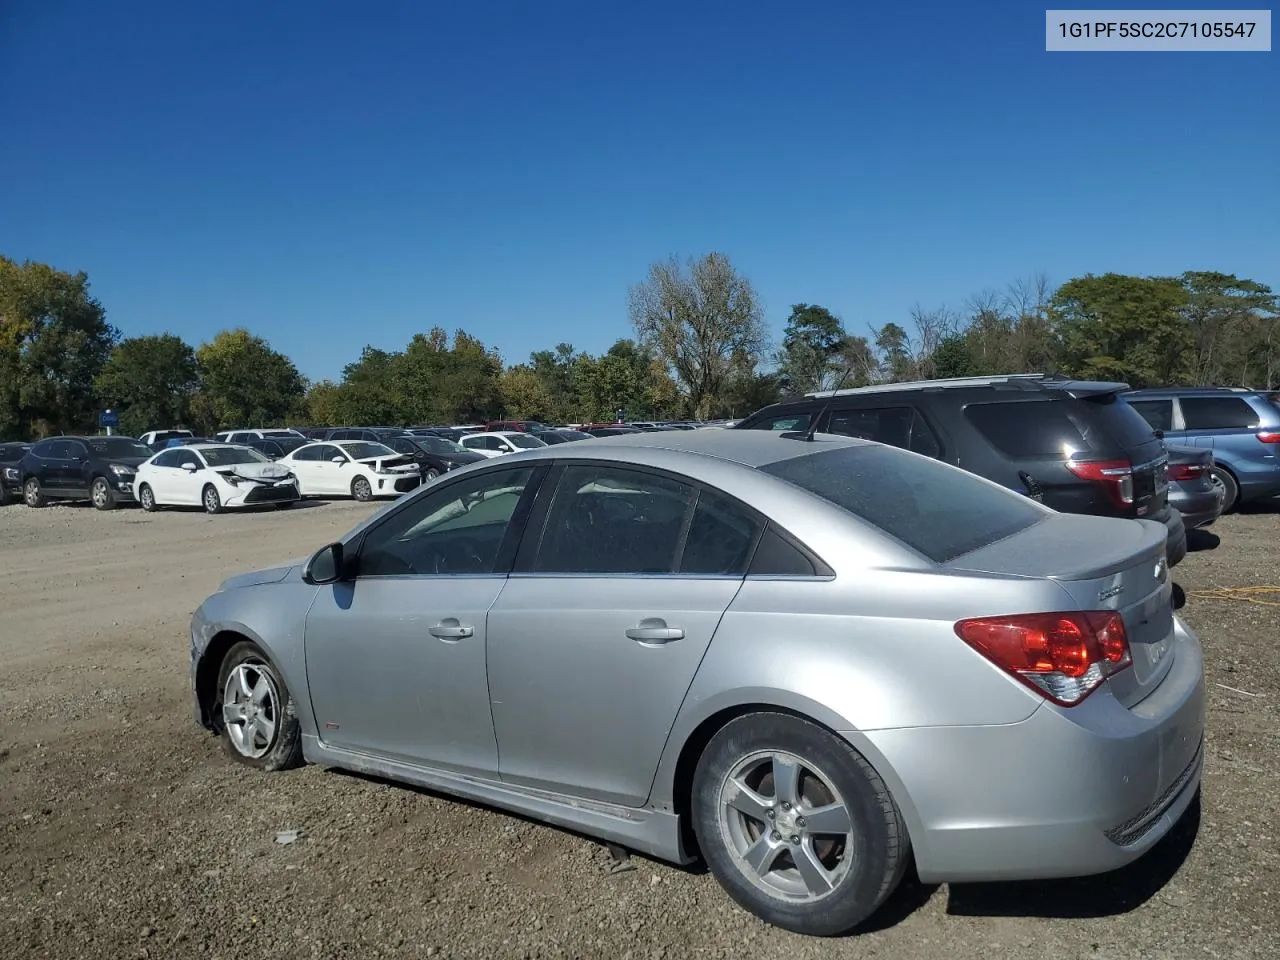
(361,489)
(796,825)
(210,499)
(1227,484)
(32,493)
(101,494)
(146,498)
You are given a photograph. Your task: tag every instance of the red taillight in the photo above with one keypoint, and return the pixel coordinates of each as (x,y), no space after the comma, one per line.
(1269,436)
(1187,471)
(1062,656)
(1115,475)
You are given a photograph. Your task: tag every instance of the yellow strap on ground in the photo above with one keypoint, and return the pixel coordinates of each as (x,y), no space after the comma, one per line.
(1241,594)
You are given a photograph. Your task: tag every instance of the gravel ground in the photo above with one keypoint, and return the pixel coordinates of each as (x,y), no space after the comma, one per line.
(125,831)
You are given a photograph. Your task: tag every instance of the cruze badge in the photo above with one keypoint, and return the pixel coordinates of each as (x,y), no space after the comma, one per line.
(1162,570)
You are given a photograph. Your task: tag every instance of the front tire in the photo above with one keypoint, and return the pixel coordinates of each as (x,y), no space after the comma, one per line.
(32,494)
(147,498)
(795,824)
(430,475)
(1230,488)
(256,714)
(210,500)
(361,489)
(101,494)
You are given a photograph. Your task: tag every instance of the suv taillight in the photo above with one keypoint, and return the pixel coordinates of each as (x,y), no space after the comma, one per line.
(1115,475)
(1187,471)
(1269,436)
(1064,657)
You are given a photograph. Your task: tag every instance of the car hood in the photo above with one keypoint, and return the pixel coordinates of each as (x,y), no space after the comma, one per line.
(256,471)
(257,578)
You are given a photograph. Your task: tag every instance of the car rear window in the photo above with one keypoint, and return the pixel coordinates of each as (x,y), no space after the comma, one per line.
(937,510)
(1060,428)
(1218,413)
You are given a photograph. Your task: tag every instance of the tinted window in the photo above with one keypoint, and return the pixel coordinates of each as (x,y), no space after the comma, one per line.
(721,537)
(455,529)
(610,520)
(167,459)
(308,453)
(328,452)
(776,556)
(1038,429)
(1158,413)
(1217,413)
(789,421)
(439,446)
(524,441)
(43,448)
(227,456)
(109,447)
(896,426)
(64,450)
(940,511)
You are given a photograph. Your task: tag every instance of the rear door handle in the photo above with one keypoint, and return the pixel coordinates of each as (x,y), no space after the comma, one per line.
(451,629)
(654,630)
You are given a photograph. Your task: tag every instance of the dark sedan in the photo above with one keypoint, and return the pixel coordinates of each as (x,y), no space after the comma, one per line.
(434,455)
(1193,489)
(98,469)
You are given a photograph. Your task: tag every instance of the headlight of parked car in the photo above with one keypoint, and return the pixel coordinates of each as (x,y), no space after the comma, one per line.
(11,473)
(120,470)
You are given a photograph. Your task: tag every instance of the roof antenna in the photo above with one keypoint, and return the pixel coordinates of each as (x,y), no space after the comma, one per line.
(807,435)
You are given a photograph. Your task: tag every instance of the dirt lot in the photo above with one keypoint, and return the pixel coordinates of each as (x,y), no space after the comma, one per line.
(125,832)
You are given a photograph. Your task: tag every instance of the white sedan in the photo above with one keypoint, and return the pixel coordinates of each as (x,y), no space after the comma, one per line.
(352,468)
(215,476)
(494,443)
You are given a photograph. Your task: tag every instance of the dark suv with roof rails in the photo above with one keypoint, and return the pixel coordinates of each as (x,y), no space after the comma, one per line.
(1073,445)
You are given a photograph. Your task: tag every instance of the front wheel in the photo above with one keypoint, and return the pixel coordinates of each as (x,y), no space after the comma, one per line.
(361,489)
(430,475)
(1230,489)
(32,494)
(146,498)
(210,499)
(795,824)
(100,492)
(257,716)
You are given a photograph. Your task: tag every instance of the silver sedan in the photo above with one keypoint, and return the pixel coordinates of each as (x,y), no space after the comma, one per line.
(810,662)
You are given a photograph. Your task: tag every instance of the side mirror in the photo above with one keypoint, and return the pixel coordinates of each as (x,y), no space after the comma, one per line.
(1159,434)
(325,565)
(190,467)
(338,460)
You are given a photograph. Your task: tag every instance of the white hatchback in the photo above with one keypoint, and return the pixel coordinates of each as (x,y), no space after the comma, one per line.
(216,476)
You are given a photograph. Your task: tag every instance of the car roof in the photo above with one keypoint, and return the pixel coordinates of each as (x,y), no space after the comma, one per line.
(1192,392)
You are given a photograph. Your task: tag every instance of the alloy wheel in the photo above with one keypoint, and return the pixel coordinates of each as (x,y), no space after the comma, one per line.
(786,826)
(100,493)
(251,709)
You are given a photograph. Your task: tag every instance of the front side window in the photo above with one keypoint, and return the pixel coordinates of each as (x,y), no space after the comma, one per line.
(453,530)
(167,459)
(939,511)
(607,520)
(308,453)
(1218,413)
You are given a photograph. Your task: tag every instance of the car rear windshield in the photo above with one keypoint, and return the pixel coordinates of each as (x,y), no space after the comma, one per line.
(937,510)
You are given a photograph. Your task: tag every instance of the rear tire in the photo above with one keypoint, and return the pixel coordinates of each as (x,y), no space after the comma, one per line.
(254,711)
(101,494)
(210,500)
(361,489)
(795,824)
(1230,488)
(32,494)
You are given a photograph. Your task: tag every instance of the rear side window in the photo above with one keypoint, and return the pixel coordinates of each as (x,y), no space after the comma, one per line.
(776,556)
(897,426)
(1217,413)
(1158,413)
(720,538)
(789,421)
(937,510)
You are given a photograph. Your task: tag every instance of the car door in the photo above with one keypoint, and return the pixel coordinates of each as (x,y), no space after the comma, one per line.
(160,474)
(396,656)
(304,463)
(600,629)
(72,467)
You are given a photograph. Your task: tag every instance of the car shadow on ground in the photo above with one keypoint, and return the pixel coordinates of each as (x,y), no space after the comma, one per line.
(1105,895)
(1202,539)
(1102,895)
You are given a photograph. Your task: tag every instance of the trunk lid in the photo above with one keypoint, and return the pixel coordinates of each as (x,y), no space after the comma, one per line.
(1102,564)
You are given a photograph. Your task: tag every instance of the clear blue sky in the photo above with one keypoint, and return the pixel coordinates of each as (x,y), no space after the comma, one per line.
(335,174)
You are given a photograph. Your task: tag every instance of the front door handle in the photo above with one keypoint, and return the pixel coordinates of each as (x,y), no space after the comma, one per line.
(451,629)
(654,630)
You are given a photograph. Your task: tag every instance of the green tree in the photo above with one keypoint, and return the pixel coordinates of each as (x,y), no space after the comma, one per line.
(371,391)
(1124,328)
(1234,324)
(895,349)
(245,383)
(322,404)
(556,370)
(524,394)
(696,317)
(54,340)
(150,380)
(952,358)
(811,345)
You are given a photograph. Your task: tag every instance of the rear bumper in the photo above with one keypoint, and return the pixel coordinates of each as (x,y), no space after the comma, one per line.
(1198,509)
(1064,793)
